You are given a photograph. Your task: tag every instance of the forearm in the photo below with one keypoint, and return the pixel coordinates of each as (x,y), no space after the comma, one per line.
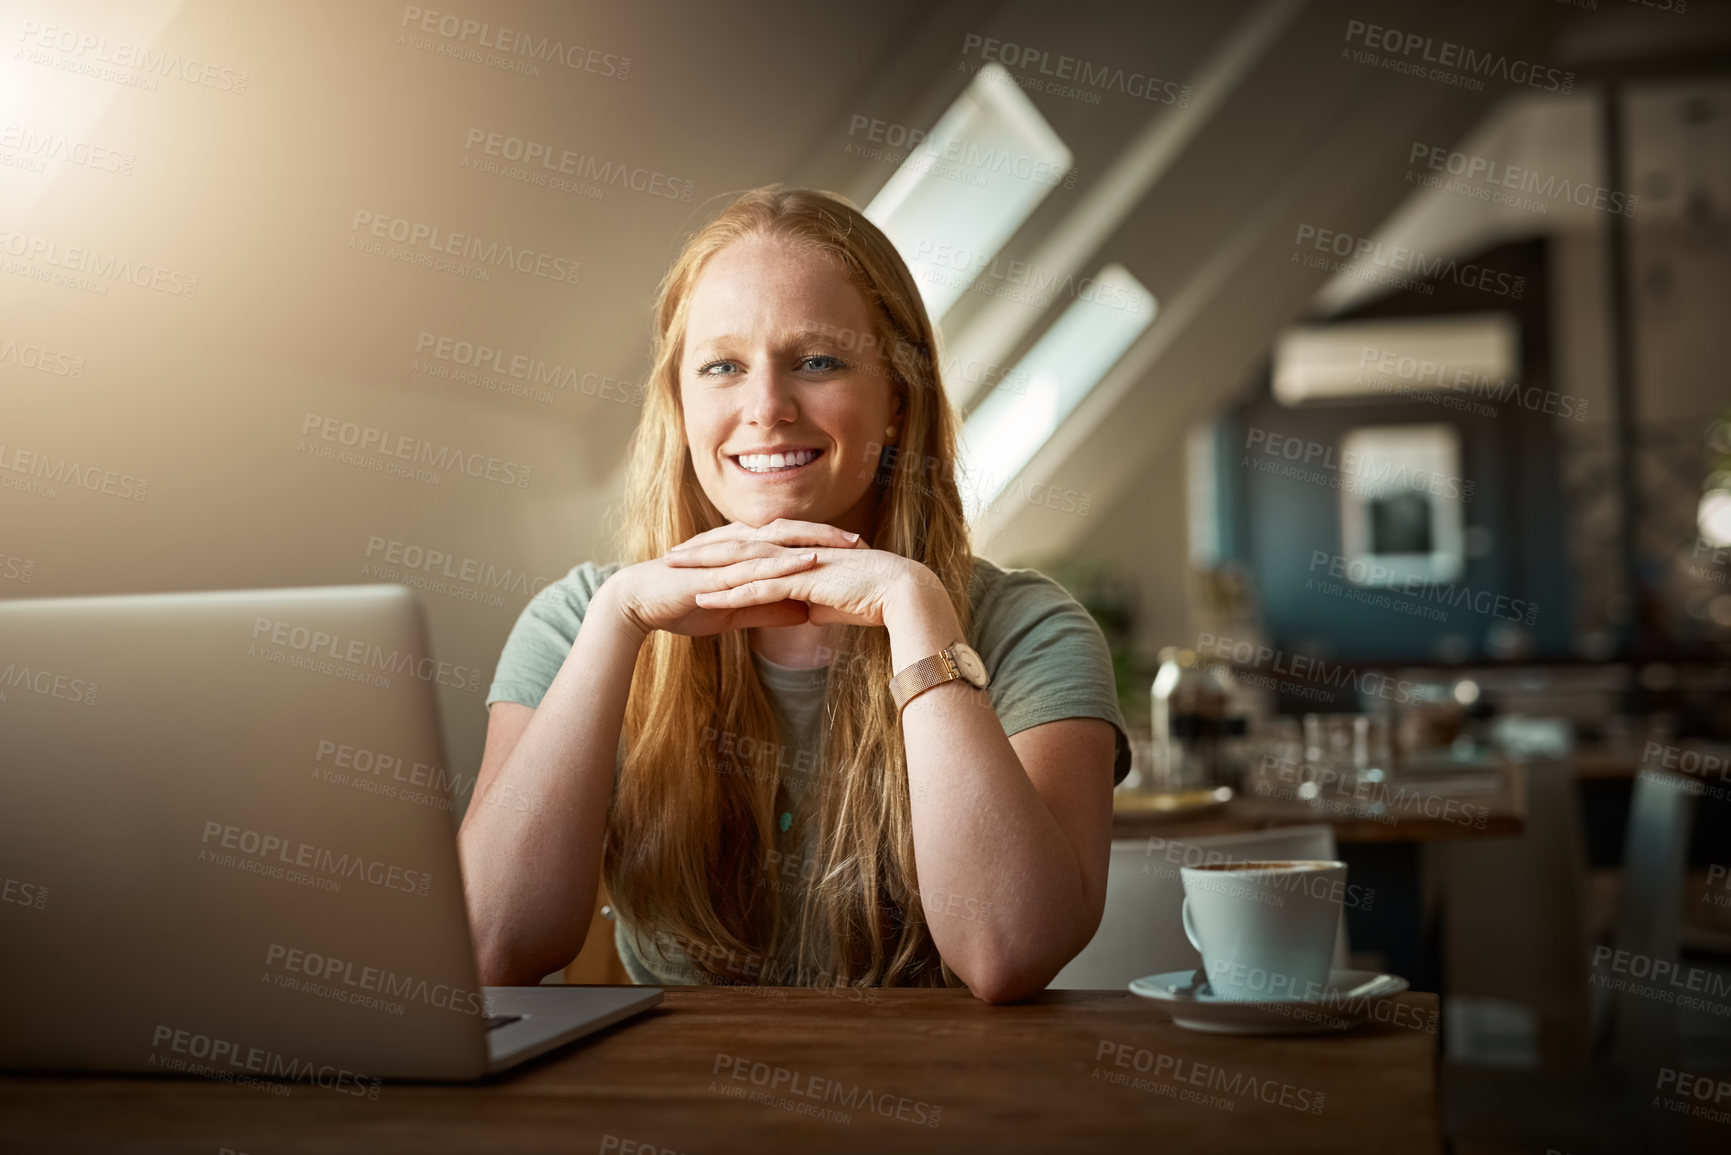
(1001,885)
(532,839)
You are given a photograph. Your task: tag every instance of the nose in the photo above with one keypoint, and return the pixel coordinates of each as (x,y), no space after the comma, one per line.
(769,397)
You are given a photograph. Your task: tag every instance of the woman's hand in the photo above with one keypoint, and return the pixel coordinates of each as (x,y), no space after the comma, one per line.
(849,583)
(662,593)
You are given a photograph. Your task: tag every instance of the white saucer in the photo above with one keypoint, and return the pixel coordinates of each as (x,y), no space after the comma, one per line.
(1279,1017)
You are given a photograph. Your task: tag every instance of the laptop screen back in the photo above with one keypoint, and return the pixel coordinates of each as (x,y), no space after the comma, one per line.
(228,840)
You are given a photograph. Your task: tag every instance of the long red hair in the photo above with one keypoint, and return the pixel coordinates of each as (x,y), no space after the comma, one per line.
(693,823)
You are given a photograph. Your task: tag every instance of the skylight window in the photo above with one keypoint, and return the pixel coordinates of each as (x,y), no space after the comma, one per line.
(1015,419)
(967,186)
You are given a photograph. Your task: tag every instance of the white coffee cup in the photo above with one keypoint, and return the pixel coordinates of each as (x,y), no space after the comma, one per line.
(1266,930)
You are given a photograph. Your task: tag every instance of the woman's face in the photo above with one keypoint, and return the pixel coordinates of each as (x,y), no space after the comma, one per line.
(774,364)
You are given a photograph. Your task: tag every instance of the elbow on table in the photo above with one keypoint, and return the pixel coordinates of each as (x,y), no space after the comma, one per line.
(493,967)
(1007,979)
(500,963)
(1007,985)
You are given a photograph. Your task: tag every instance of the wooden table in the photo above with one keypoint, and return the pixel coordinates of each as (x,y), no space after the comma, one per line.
(908,1070)
(1499,814)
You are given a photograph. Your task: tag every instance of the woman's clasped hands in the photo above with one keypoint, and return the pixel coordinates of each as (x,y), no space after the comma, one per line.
(780,574)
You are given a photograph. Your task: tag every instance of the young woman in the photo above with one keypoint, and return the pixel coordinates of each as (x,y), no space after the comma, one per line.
(712,726)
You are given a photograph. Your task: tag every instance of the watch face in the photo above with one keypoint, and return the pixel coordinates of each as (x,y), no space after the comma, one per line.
(969,662)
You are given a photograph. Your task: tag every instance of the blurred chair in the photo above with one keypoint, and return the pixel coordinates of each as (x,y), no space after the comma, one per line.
(1599,1098)
(1515,938)
(1639,1034)
(1141,932)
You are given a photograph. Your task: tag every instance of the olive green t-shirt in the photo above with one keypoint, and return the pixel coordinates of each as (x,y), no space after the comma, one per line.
(1046,658)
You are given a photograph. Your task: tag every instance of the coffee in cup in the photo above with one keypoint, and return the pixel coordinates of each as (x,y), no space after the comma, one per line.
(1266,930)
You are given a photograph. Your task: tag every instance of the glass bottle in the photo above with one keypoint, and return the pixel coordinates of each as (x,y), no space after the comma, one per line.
(1189,702)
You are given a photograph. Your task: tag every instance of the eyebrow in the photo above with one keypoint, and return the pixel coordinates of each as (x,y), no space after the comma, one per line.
(798,335)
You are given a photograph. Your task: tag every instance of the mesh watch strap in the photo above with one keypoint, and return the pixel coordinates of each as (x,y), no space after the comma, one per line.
(922,676)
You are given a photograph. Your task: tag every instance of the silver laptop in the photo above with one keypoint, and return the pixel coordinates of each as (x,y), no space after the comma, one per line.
(228,847)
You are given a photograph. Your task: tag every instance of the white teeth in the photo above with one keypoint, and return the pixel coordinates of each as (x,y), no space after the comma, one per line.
(766,462)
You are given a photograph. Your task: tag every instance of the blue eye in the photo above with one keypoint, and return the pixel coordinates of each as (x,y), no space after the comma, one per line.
(815,363)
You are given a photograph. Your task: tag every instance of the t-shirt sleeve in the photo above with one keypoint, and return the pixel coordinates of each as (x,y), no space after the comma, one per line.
(544,634)
(1048,660)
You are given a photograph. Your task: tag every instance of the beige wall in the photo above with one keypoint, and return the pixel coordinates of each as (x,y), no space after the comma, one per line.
(1144,534)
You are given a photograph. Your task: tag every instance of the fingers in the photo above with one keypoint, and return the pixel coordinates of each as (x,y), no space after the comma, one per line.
(705,537)
(756,578)
(755,582)
(782,531)
(785,531)
(725,552)
(753,593)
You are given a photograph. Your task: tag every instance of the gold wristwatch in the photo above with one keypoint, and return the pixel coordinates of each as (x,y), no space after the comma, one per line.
(948,664)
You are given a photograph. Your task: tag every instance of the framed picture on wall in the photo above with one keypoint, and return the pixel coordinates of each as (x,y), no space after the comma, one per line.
(1402,504)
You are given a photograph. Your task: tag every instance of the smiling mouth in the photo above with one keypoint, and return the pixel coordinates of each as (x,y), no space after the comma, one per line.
(775,464)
